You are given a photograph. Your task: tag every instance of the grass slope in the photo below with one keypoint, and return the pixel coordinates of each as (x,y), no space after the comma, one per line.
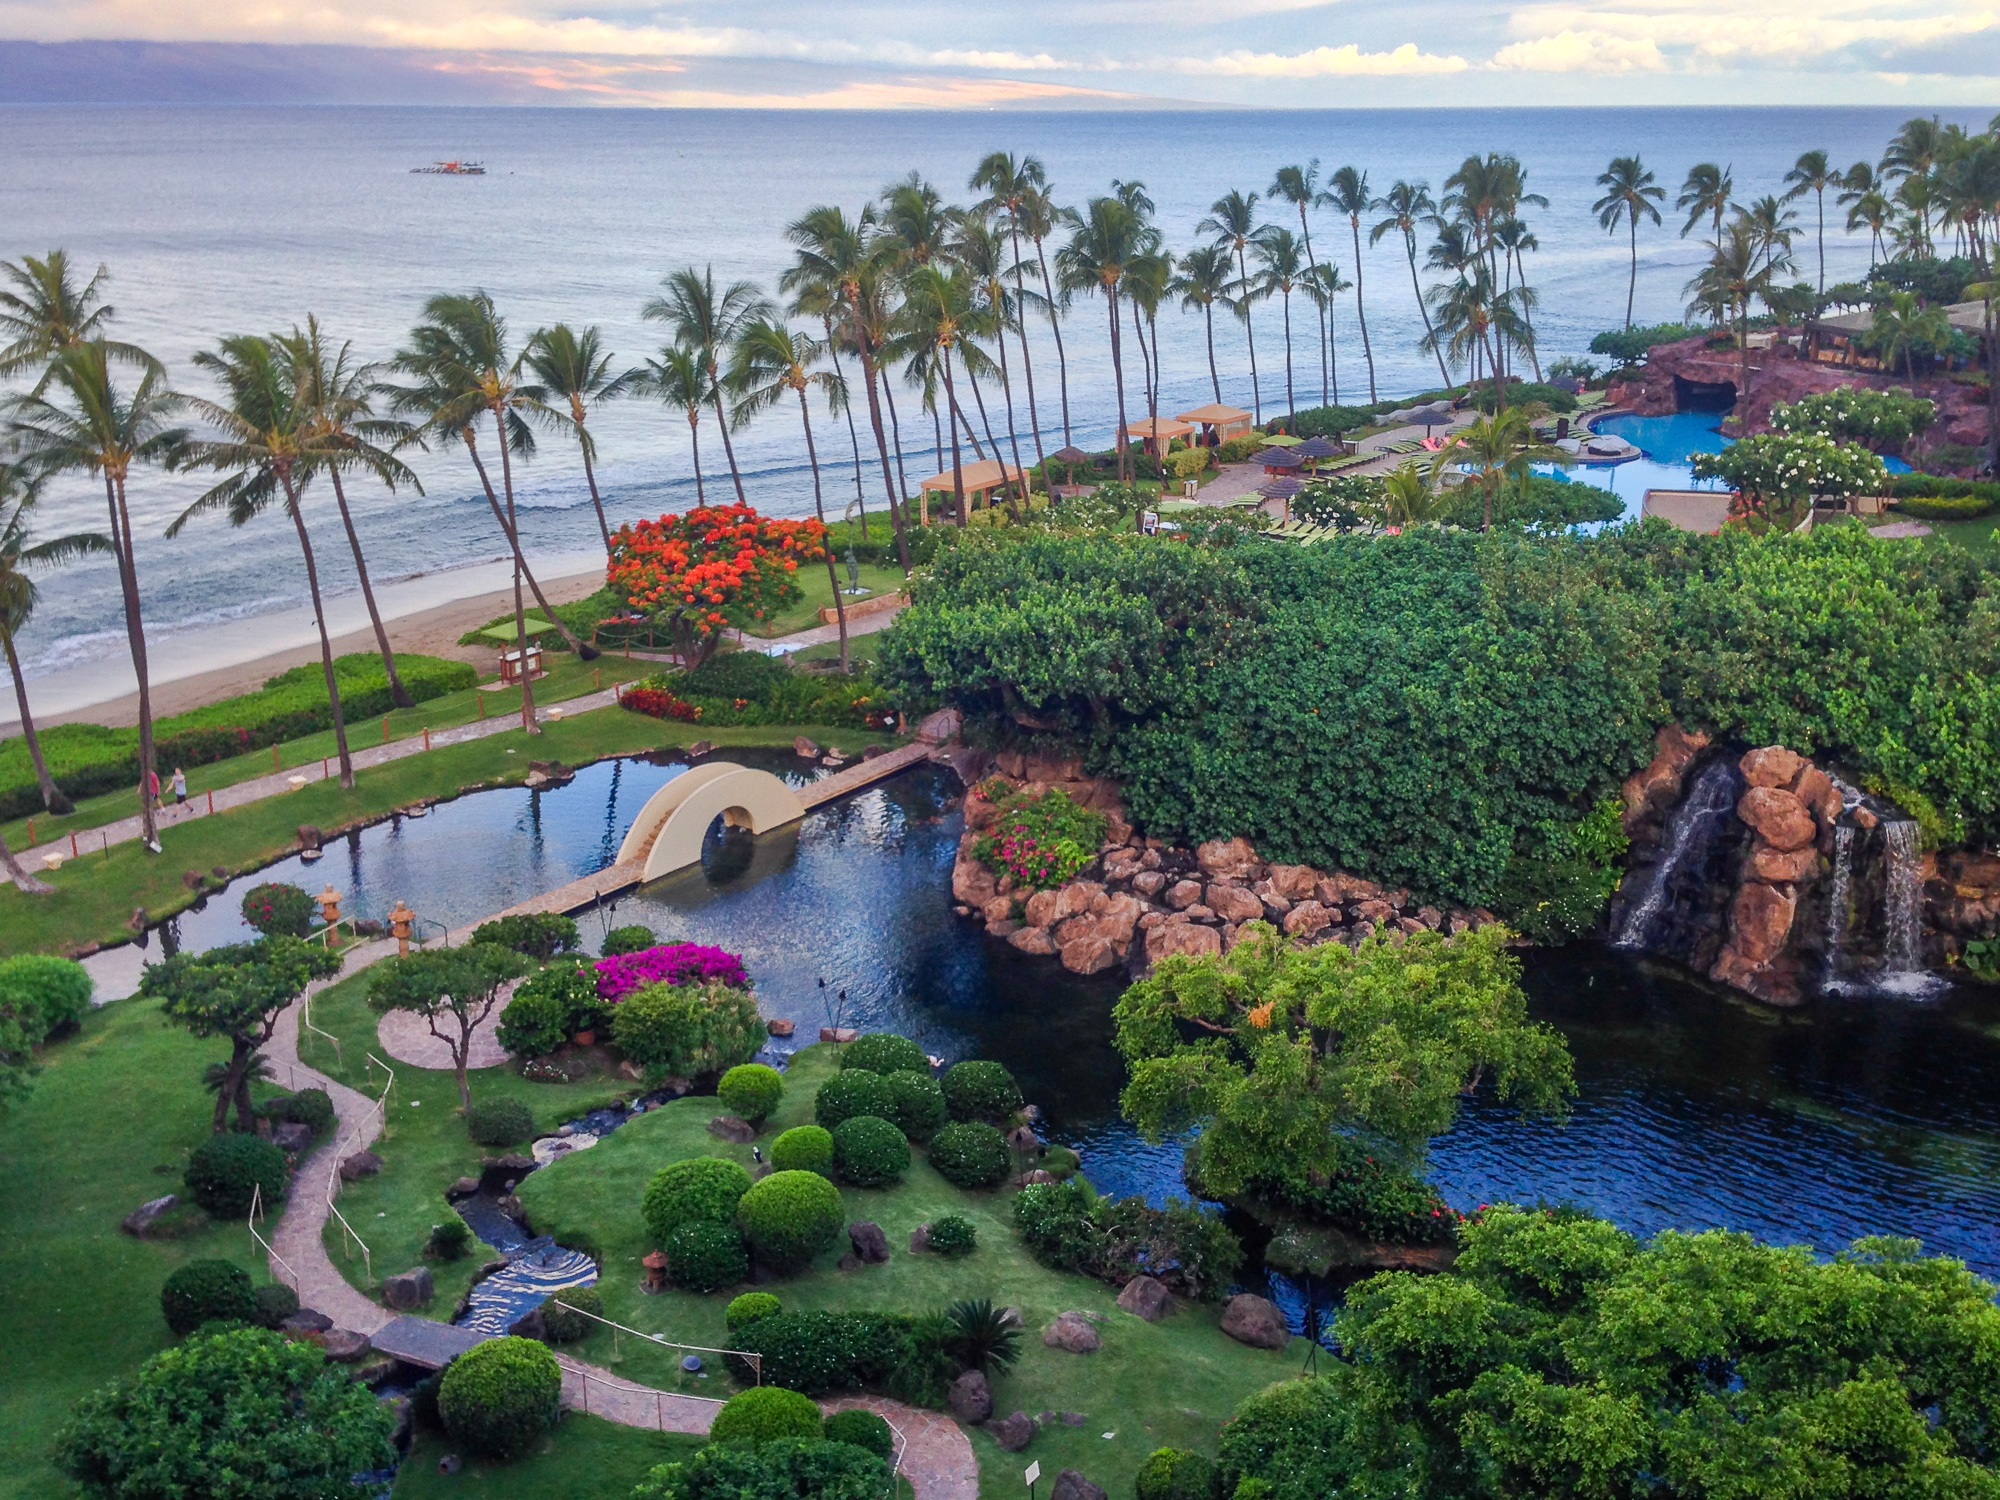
(584,1456)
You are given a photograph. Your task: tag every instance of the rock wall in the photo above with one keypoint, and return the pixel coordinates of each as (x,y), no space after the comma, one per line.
(1792,808)
(1962,899)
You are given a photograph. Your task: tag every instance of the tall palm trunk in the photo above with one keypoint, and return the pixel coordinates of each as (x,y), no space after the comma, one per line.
(52,796)
(1528,318)
(1250,334)
(1055,327)
(1027,362)
(819,509)
(853,433)
(957,467)
(1821,196)
(1291,401)
(1013,434)
(722,421)
(507,529)
(135,637)
(1416,290)
(325,639)
(882,448)
(1145,371)
(1208,321)
(520,566)
(694,442)
(398,694)
(1632,278)
(1118,383)
(1312,267)
(985,422)
(590,473)
(1360,308)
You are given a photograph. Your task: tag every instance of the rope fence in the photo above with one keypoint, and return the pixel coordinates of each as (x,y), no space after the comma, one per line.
(380,1108)
(290,1277)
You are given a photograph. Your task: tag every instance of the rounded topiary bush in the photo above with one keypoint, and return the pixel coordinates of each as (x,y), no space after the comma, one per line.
(278,910)
(633,939)
(869,1151)
(56,989)
(225,1172)
(703,1256)
(804,1148)
(851,1092)
(749,1307)
(208,1291)
(861,1429)
(499,1396)
(789,1218)
(751,1090)
(535,1022)
(917,1106)
(970,1154)
(688,1030)
(1176,1474)
(953,1234)
(884,1052)
(499,1122)
(309,1107)
(563,1317)
(702,1189)
(275,1303)
(981,1091)
(766,1414)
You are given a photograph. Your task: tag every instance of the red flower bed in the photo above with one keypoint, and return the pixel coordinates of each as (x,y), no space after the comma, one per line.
(658,703)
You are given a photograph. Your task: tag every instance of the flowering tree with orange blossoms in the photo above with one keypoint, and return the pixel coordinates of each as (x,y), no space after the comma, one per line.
(715,567)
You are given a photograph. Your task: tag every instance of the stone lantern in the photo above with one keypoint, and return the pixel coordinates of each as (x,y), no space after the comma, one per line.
(656,1271)
(402,922)
(329,905)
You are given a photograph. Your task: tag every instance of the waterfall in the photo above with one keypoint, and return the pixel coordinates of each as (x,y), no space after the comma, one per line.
(1903,971)
(1837,915)
(1691,829)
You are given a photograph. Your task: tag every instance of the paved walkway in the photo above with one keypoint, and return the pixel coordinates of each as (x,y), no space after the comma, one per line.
(936,1454)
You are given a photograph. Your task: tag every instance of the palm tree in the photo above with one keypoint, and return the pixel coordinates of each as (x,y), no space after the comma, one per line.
(1108,238)
(1011,186)
(1040,217)
(1868,206)
(1903,325)
(1409,496)
(267,436)
(18,596)
(44,311)
(1814,173)
(1299,186)
(1630,193)
(1324,284)
(1409,204)
(1281,259)
(979,249)
(1202,282)
(1769,223)
(1232,219)
(1984,292)
(827,248)
(767,362)
(1473,317)
(1732,280)
(1347,193)
(678,379)
(1705,195)
(937,307)
(1147,279)
(1514,240)
(707,322)
(340,396)
(77,420)
(1912,152)
(575,370)
(1497,449)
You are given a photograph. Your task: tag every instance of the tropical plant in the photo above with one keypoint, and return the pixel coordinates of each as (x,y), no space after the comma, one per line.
(1280,259)
(1012,187)
(1705,196)
(712,568)
(43,312)
(1731,281)
(574,371)
(1903,327)
(1407,205)
(1882,420)
(935,327)
(1409,496)
(1777,475)
(1232,220)
(1631,193)
(688,1031)
(1814,173)
(453,990)
(1347,193)
(706,322)
(1107,238)
(983,1337)
(1497,450)
(1299,186)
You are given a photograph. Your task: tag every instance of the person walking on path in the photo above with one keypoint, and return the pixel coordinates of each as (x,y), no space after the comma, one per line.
(153,788)
(180,787)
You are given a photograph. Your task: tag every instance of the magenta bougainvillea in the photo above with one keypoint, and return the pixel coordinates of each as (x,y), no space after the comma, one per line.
(670,963)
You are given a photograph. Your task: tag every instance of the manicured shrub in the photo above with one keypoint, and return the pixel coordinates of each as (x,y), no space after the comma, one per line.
(789,1218)
(562,1314)
(688,1031)
(633,939)
(621,974)
(1294,1436)
(1041,839)
(766,1414)
(804,1148)
(275,1303)
(1946,507)
(953,1234)
(450,1238)
(916,1103)
(58,988)
(851,1092)
(751,1091)
(279,910)
(869,1151)
(700,1190)
(1176,1474)
(980,1090)
(819,1352)
(537,934)
(786,1467)
(207,1291)
(864,1430)
(550,1007)
(225,1171)
(499,1122)
(749,1307)
(703,1256)
(971,1154)
(310,1107)
(884,1052)
(499,1396)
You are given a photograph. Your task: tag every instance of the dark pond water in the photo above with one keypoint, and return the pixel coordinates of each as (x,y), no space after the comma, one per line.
(1845,1118)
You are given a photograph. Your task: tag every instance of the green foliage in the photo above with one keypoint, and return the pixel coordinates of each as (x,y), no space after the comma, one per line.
(207,1291)
(821,1352)
(917,1103)
(242,1413)
(539,935)
(1340,500)
(747,687)
(953,1235)
(983,1337)
(1067,1227)
(864,1430)
(851,1092)
(275,1302)
(56,989)
(736,674)
(1946,507)
(884,1052)
(225,1171)
(1380,1040)
(1538,502)
(804,1148)
(1939,282)
(780,1470)
(275,909)
(1779,474)
(789,1218)
(869,1151)
(1177,1474)
(1041,839)
(748,1308)
(981,1090)
(971,1154)
(751,1091)
(1910,486)
(450,1238)
(689,1030)
(499,1122)
(698,1190)
(1527,393)
(635,938)
(1560,889)
(1629,345)
(1365,1195)
(1290,1439)
(1881,420)
(705,1257)
(454,989)
(562,1315)
(766,1414)
(539,1018)
(500,1396)
(311,1107)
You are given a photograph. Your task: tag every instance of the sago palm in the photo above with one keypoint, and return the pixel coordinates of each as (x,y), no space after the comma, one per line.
(574,368)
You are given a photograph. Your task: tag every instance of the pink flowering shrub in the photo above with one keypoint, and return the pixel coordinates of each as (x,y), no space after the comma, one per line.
(670,963)
(1042,841)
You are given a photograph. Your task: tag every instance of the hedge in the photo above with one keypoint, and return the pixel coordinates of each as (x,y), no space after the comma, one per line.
(499,1122)
(703,1256)
(1913,486)
(862,1429)
(981,1090)
(1946,507)
(819,1352)
(56,989)
(917,1104)
(748,1308)
(225,1171)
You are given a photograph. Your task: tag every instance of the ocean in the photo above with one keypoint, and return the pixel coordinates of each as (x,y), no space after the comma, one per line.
(226,220)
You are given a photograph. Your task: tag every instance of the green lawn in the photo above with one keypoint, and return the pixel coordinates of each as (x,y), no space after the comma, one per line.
(818,595)
(1975,536)
(95,895)
(582,1457)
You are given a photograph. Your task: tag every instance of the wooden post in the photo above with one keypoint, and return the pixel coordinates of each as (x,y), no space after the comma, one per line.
(274,759)
(482,705)
(597,677)
(385,729)
(322,767)
(31,833)
(427,737)
(211,801)
(72,846)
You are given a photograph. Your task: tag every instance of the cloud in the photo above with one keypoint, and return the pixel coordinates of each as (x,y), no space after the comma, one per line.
(1348,61)
(1573,51)
(1707,36)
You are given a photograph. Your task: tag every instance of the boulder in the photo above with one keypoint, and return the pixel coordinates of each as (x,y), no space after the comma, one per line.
(1149,883)
(779,1026)
(1145,1297)
(805,748)
(1376,911)
(1231,859)
(1783,868)
(1072,1333)
(407,1291)
(141,1220)
(361,1164)
(1071,1485)
(291,1137)
(1091,954)
(343,1345)
(1035,940)
(1294,882)
(1309,919)
(869,1242)
(972,882)
(841,1034)
(971,1398)
(1431,917)
(1778,816)
(1340,887)
(306,1321)
(999,909)
(463,1187)
(1658,786)
(1041,765)
(1816,789)
(1199,913)
(1183,894)
(530,1325)
(1232,903)
(1176,936)
(729,1128)
(1014,1433)
(1773,765)
(1255,1321)
(1037,1177)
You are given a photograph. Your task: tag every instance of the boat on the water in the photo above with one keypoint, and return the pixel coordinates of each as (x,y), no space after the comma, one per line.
(451,169)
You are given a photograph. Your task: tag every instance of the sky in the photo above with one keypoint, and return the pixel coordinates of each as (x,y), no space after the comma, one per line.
(978,54)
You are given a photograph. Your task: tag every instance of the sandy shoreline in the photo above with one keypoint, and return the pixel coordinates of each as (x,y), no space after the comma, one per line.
(433,631)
